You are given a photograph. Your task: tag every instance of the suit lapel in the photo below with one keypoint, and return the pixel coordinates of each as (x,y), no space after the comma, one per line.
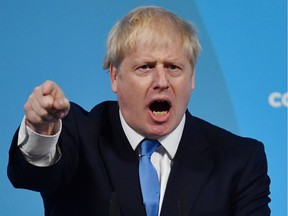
(121,163)
(192,165)
(191,168)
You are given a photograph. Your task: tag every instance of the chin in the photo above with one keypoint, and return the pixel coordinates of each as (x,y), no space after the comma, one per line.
(158,132)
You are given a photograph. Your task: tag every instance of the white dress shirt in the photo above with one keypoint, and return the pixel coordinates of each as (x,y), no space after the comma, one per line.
(42,150)
(162,158)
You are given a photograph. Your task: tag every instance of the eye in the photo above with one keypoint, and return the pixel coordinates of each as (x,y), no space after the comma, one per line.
(145,68)
(172,67)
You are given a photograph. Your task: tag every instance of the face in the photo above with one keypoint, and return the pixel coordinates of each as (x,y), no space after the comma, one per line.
(153,87)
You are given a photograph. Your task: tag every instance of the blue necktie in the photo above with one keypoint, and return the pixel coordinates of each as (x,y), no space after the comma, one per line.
(148,178)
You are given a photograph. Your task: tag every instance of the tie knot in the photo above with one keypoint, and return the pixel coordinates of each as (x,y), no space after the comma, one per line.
(148,147)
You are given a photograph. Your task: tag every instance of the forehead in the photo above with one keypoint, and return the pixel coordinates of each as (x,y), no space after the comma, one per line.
(143,54)
(164,49)
(153,46)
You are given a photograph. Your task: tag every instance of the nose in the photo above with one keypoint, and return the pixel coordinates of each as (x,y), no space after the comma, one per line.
(161,78)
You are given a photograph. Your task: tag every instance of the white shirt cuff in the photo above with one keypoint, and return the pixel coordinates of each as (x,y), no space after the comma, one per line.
(39,150)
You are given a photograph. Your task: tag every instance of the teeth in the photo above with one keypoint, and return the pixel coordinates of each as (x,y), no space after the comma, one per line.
(159,113)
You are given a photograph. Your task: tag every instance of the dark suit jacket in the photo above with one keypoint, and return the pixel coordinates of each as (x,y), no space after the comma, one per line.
(214,172)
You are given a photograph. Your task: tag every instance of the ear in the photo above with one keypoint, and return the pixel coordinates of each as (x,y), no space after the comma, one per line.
(113,78)
(193,81)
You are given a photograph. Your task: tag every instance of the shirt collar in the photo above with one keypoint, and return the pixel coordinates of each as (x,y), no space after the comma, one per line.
(170,142)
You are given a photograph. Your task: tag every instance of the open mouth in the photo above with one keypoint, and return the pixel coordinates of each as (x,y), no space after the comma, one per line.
(159,107)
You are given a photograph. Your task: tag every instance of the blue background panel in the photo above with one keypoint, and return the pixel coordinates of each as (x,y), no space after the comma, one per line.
(241,76)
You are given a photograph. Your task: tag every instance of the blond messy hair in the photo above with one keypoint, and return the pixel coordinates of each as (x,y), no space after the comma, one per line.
(148,25)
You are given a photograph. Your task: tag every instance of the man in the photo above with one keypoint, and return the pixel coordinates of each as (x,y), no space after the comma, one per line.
(88,163)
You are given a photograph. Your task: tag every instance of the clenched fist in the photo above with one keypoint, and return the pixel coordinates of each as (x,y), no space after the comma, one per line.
(45,106)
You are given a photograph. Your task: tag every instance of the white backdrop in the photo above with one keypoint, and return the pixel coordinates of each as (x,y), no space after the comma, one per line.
(241,78)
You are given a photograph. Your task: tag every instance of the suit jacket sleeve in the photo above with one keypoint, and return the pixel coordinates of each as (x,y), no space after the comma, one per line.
(23,174)
(251,195)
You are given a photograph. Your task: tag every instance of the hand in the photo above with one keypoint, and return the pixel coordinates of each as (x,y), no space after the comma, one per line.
(45,106)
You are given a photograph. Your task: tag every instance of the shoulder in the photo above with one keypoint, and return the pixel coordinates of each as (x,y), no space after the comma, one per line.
(231,153)
(98,121)
(222,140)
(100,114)
(97,110)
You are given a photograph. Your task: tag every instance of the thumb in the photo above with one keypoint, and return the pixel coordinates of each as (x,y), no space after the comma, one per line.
(61,106)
